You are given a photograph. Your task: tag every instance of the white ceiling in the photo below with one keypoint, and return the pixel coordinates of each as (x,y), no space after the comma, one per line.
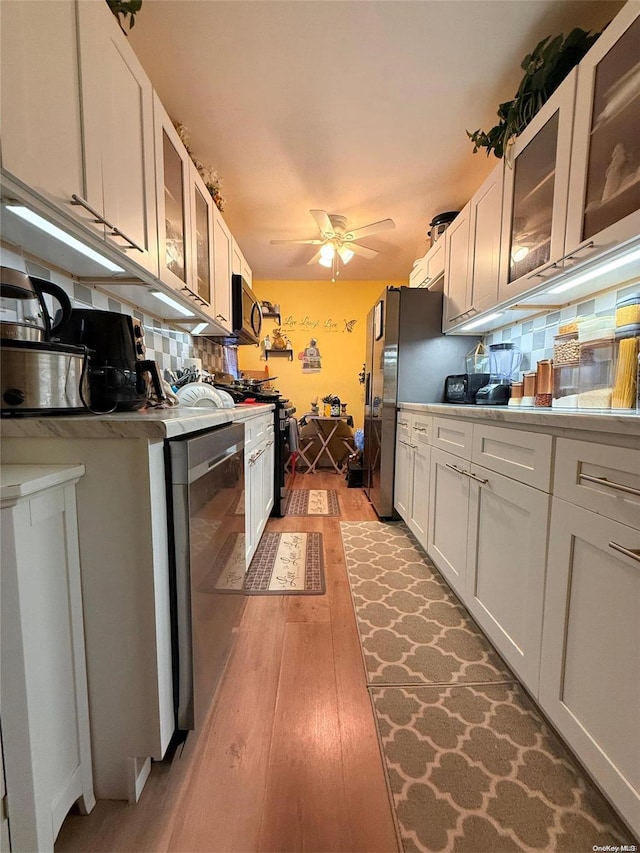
(357,107)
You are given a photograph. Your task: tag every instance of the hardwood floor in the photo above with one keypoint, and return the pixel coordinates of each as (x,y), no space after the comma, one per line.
(288,759)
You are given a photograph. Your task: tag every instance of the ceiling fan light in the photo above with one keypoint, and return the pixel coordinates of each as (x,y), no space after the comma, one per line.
(326,262)
(327,252)
(345,254)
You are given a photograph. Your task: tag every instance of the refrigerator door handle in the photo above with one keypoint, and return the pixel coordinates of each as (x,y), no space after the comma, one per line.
(367,389)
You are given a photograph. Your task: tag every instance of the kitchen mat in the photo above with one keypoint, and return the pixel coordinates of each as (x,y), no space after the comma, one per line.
(412,627)
(312,502)
(284,563)
(475,768)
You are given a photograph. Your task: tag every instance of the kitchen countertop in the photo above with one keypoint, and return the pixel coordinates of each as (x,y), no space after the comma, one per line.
(146,423)
(623,422)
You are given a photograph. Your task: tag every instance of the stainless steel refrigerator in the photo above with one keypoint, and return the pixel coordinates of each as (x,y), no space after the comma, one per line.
(407,361)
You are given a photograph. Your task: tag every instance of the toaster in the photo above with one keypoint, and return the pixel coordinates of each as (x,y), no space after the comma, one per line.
(462,387)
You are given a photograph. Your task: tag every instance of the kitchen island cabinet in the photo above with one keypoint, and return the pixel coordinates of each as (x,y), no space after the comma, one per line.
(124,553)
(45,715)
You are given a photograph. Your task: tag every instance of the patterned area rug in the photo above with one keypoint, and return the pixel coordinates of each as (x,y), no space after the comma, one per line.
(312,502)
(284,563)
(471,766)
(412,627)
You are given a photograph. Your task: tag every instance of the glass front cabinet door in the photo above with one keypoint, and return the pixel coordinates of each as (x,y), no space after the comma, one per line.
(604,198)
(536,186)
(201,238)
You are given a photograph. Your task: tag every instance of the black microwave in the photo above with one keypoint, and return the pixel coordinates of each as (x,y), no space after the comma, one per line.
(246,312)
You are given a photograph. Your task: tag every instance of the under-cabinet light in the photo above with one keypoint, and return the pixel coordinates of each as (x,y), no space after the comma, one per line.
(53,231)
(482,320)
(596,272)
(172,302)
(199,329)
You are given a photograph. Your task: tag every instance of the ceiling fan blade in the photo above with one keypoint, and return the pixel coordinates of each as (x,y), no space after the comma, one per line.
(314,242)
(314,259)
(322,220)
(372,228)
(363,251)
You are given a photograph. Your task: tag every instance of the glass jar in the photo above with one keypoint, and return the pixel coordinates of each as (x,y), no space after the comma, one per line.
(596,377)
(624,394)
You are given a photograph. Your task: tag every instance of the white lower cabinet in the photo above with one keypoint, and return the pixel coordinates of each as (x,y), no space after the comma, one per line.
(45,715)
(507,542)
(590,671)
(5,846)
(411,486)
(259,480)
(449,517)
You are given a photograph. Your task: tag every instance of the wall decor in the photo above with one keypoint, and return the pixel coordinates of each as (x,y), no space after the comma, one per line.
(310,358)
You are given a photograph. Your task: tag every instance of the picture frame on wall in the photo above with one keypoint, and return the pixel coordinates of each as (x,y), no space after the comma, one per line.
(378,321)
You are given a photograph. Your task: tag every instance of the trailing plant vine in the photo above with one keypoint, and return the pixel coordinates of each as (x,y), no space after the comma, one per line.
(545,68)
(125,8)
(211,178)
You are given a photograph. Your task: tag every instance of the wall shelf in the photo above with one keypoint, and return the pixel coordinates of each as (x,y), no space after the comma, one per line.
(271,316)
(288,352)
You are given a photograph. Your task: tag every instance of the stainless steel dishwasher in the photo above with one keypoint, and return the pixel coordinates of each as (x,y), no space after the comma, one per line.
(206,508)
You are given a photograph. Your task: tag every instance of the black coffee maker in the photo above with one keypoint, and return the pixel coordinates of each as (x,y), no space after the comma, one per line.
(116,358)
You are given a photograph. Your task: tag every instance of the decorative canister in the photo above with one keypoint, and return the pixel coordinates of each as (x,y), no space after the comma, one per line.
(516,394)
(529,389)
(544,384)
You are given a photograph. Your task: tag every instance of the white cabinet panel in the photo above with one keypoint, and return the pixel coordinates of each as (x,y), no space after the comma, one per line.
(223,259)
(484,241)
(506,567)
(524,456)
(589,683)
(453,435)
(457,268)
(40,98)
(600,478)
(403,476)
(419,515)
(448,517)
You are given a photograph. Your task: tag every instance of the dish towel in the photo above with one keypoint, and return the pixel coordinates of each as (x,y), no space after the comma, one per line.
(294,435)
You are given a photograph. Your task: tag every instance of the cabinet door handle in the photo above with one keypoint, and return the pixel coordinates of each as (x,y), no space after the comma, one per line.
(403,423)
(116,232)
(406,443)
(221,317)
(539,273)
(420,429)
(474,477)
(454,468)
(78,200)
(634,553)
(602,481)
(570,255)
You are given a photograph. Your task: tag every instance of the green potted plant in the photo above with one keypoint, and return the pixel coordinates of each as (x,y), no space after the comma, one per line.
(545,68)
(124,9)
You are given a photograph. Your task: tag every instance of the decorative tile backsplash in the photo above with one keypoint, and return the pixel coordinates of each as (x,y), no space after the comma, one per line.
(169,347)
(535,337)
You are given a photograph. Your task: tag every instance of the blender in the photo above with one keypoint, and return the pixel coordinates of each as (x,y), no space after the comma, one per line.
(504,361)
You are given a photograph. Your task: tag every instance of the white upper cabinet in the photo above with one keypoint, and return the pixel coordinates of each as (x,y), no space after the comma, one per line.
(536,186)
(457,256)
(428,269)
(239,264)
(173,178)
(223,259)
(604,196)
(201,206)
(40,98)
(117,109)
(484,241)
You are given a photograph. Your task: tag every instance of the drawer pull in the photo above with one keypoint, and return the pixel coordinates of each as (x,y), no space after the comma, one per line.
(602,481)
(407,444)
(473,477)
(403,423)
(634,553)
(420,429)
(454,468)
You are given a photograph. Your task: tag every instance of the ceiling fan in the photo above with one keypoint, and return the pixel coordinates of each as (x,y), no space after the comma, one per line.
(337,243)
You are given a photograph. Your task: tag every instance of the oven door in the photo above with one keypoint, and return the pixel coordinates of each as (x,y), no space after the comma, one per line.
(207,495)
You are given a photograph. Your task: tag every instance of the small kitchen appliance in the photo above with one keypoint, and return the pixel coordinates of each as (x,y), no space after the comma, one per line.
(38,376)
(462,388)
(504,361)
(440,223)
(116,358)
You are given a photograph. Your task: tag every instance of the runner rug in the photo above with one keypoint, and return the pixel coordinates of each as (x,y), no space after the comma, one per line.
(471,766)
(312,502)
(284,563)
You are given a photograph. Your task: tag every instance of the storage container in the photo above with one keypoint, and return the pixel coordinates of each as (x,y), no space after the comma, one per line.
(596,377)
(628,311)
(566,349)
(529,389)
(544,383)
(624,393)
(565,385)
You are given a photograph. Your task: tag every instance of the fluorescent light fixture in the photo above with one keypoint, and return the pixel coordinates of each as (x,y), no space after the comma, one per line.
(59,234)
(199,329)
(345,254)
(326,262)
(172,302)
(597,271)
(482,320)
(327,251)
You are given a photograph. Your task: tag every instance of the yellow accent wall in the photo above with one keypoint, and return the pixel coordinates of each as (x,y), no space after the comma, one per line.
(324,311)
